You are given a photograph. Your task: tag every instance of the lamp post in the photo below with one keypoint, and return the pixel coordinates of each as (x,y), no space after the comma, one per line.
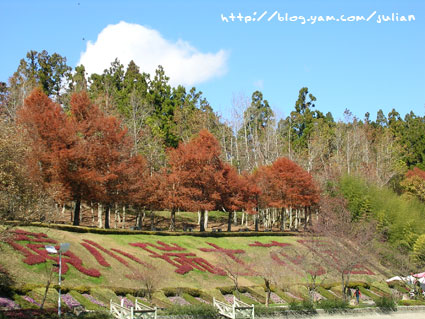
(63,248)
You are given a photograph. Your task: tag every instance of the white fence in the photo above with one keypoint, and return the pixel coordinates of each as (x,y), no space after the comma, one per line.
(239,309)
(139,311)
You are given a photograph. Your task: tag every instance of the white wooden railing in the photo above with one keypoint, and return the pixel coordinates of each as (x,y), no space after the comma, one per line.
(140,311)
(239,309)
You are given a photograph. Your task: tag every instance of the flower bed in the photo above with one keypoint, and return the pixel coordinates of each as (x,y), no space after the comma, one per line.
(229,298)
(94,300)
(70,301)
(177,300)
(127,302)
(184,262)
(96,255)
(130,256)
(29,299)
(272,244)
(275,298)
(8,304)
(122,261)
(37,254)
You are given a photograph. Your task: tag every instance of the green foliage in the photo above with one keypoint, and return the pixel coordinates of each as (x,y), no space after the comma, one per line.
(381,286)
(96,315)
(199,311)
(411,302)
(400,220)
(263,311)
(112,231)
(419,250)
(333,305)
(386,304)
(305,305)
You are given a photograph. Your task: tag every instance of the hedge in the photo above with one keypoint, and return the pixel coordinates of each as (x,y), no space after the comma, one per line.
(81,229)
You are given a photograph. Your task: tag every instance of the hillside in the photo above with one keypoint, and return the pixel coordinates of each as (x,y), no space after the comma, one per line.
(183,261)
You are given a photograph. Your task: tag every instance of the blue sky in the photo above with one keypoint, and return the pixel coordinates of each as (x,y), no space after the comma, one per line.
(362,66)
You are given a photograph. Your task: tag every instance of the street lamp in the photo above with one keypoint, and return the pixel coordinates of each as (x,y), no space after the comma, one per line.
(63,248)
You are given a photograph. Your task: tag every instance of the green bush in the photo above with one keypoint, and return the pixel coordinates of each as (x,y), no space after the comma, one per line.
(200,311)
(386,304)
(305,305)
(381,286)
(419,250)
(411,302)
(355,284)
(96,315)
(329,285)
(333,305)
(81,229)
(263,311)
(226,290)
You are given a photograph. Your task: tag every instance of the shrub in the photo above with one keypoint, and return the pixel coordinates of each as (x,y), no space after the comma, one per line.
(386,304)
(333,305)
(200,311)
(96,315)
(411,302)
(305,305)
(419,250)
(263,311)
(226,290)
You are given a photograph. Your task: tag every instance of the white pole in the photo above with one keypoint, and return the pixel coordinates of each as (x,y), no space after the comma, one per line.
(60,274)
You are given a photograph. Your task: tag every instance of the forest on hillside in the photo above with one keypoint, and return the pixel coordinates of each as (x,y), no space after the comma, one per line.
(126,140)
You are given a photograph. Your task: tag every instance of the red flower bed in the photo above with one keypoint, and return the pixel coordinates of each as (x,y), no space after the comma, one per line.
(96,255)
(228,252)
(184,262)
(130,256)
(122,261)
(40,254)
(272,244)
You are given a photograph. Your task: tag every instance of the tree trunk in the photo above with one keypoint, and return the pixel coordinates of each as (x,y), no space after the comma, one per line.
(268,292)
(123,217)
(282,219)
(77,212)
(99,215)
(235,219)
(107,213)
(46,290)
(173,220)
(229,221)
(256,221)
(92,213)
(201,222)
(152,220)
(206,220)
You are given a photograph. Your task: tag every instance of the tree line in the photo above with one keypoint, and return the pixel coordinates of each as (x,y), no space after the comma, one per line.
(152,120)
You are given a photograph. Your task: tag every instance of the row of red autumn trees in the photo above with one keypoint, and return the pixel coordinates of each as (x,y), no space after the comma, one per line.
(82,155)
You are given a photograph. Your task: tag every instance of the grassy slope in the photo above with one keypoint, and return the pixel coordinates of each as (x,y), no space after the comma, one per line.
(115,276)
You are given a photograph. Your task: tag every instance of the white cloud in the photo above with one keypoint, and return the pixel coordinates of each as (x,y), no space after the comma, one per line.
(183,63)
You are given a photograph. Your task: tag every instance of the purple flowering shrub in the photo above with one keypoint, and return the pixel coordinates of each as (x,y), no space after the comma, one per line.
(94,300)
(70,301)
(8,303)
